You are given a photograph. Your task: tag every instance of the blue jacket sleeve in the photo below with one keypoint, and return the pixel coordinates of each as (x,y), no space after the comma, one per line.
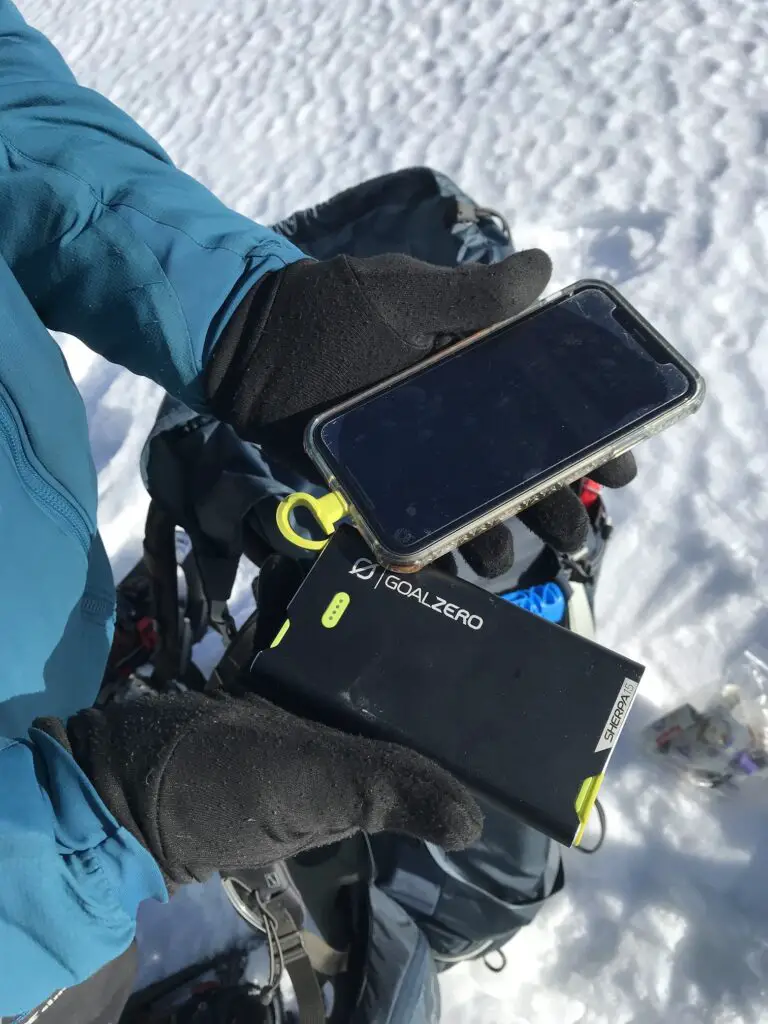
(78,877)
(113,244)
(109,240)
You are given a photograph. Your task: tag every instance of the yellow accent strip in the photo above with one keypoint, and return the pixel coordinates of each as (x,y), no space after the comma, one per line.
(327,510)
(281,634)
(338,605)
(585,801)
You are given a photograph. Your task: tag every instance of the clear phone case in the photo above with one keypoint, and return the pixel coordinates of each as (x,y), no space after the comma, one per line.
(561,478)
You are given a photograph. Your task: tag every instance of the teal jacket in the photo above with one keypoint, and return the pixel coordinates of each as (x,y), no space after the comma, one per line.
(103,238)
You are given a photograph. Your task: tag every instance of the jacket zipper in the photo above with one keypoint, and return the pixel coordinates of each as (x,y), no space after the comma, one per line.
(40,487)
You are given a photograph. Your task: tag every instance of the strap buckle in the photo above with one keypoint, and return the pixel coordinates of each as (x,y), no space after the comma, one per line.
(269,901)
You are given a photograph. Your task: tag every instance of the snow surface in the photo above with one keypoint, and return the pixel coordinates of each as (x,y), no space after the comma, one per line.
(628,138)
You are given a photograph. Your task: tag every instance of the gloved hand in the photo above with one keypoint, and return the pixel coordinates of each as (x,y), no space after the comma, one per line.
(224,782)
(314,333)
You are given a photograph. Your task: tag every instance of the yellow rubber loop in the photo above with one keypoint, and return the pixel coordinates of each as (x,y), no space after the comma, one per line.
(327,511)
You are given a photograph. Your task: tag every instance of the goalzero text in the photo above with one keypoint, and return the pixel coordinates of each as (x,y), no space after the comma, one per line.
(364,569)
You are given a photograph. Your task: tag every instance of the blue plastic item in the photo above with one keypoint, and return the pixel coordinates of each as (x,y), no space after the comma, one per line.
(546,600)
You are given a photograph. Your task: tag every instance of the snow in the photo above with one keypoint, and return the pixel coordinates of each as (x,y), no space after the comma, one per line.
(628,138)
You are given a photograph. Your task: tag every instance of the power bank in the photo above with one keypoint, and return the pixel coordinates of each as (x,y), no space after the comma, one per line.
(524,712)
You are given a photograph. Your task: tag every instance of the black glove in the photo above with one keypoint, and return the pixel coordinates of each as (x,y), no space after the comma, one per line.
(314,333)
(561,520)
(309,335)
(223,782)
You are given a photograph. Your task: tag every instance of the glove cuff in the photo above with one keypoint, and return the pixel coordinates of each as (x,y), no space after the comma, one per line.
(124,750)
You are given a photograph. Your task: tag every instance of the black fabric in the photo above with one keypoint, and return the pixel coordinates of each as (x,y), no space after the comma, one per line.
(618,473)
(215,781)
(560,520)
(491,554)
(314,333)
(474,900)
(278,581)
(411,211)
(160,1001)
(240,1004)
(99,1000)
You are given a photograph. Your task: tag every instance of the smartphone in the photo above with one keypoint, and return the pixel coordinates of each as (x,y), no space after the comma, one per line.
(488,426)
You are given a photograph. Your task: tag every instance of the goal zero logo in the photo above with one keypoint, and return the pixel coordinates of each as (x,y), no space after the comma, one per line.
(364,569)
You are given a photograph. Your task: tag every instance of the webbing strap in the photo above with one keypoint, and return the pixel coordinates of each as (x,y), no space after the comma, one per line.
(290,955)
(324,958)
(267,899)
(306,987)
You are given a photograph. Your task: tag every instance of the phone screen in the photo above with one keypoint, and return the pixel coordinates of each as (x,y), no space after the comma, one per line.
(462,436)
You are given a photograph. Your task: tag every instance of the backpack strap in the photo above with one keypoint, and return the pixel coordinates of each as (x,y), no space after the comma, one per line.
(330,887)
(178,627)
(270,902)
